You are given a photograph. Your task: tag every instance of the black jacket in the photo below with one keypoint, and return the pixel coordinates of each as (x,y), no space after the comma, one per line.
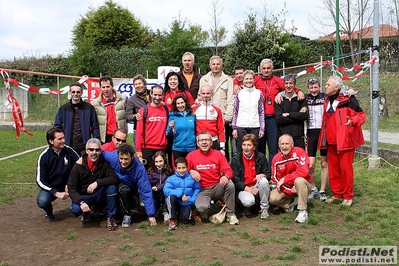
(261,167)
(81,178)
(294,123)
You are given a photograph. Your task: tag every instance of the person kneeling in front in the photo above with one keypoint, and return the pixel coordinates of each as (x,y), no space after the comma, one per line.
(93,183)
(180,191)
(290,173)
(210,168)
(251,176)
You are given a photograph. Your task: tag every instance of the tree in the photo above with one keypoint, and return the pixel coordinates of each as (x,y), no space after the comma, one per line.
(353,16)
(108,27)
(217,33)
(259,39)
(169,46)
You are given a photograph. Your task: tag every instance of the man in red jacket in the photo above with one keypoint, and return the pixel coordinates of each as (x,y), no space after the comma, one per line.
(340,134)
(151,128)
(290,173)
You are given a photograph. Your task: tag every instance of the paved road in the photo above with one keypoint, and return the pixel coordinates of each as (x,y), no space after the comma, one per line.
(384,137)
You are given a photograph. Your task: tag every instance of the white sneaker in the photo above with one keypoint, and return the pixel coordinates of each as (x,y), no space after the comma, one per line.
(264,214)
(302,216)
(233,220)
(165,217)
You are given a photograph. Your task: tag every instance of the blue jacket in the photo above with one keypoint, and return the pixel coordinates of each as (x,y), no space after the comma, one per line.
(88,121)
(53,169)
(177,185)
(134,177)
(184,131)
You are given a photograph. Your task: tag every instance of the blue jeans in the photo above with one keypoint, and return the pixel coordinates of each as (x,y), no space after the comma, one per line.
(103,196)
(44,200)
(271,137)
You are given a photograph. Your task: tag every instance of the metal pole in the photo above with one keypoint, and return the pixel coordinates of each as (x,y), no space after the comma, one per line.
(58,88)
(337,39)
(284,69)
(374,160)
(321,74)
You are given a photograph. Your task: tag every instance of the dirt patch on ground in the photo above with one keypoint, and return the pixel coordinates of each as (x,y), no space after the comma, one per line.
(28,239)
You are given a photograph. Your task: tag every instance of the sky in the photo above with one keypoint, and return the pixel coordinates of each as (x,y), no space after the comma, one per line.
(39,28)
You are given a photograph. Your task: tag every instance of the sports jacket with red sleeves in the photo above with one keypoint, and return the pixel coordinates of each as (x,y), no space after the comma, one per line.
(292,166)
(338,109)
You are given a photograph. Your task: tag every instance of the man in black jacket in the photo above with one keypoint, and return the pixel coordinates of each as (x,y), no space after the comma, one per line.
(291,113)
(251,176)
(53,169)
(93,183)
(78,120)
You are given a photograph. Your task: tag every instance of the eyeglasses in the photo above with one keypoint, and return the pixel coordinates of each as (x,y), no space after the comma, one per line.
(204,140)
(313,80)
(94,149)
(77,92)
(120,140)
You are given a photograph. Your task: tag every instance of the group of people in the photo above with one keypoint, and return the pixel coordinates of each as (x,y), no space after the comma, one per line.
(184,136)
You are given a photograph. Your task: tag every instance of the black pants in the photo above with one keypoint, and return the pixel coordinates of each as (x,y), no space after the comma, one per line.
(177,211)
(228,131)
(242,131)
(169,151)
(129,200)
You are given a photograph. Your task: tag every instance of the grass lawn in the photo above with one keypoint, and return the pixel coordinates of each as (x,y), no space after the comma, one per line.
(372,220)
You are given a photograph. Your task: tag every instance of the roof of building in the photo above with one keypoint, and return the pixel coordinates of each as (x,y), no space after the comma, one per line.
(367,33)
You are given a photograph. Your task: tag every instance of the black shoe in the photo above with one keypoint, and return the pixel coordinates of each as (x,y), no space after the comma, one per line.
(84,218)
(247,211)
(50,217)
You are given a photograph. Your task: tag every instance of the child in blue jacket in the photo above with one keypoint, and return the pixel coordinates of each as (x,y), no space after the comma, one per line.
(180,191)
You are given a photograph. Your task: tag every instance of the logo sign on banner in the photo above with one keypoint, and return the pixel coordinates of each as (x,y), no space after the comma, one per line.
(124,86)
(164,70)
(94,89)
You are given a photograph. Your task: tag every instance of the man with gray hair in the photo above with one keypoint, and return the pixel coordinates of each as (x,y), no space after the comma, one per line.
(189,74)
(93,182)
(223,96)
(341,133)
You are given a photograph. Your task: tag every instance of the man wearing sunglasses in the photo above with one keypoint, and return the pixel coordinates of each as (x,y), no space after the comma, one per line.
(119,137)
(93,183)
(77,119)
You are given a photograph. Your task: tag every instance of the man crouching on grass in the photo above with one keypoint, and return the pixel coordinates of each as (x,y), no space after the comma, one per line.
(290,173)
(93,183)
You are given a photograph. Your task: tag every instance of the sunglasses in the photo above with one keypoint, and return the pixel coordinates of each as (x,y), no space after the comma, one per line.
(75,92)
(313,80)
(94,149)
(120,140)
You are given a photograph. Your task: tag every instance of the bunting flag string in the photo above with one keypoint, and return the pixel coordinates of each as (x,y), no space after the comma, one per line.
(18,118)
(13,102)
(16,110)
(363,67)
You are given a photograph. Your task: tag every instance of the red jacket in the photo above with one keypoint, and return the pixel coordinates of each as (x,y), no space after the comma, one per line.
(333,129)
(295,165)
(154,131)
(211,166)
(209,118)
(269,88)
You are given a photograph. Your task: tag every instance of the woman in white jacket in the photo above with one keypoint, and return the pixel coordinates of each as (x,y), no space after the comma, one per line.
(248,110)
